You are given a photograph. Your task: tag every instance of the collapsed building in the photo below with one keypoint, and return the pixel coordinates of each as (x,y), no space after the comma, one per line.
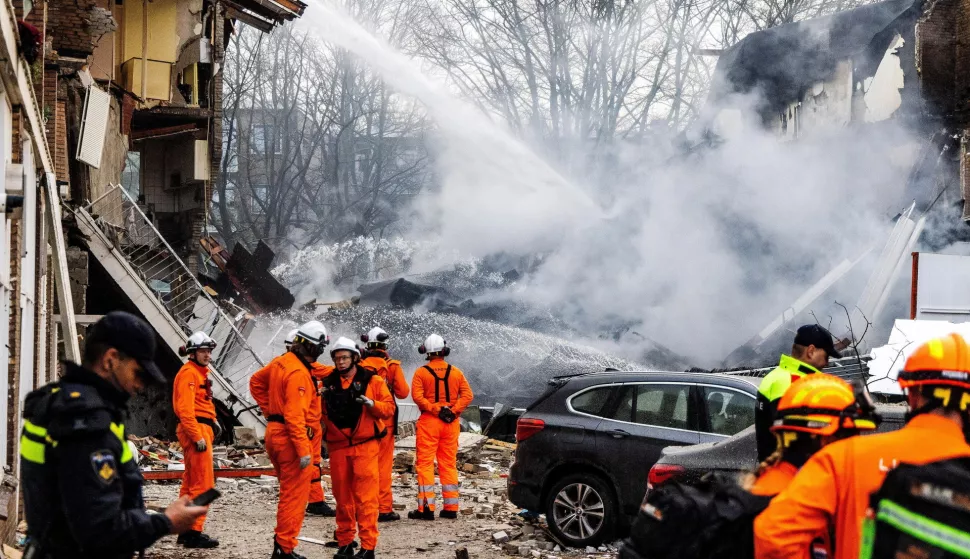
(896,63)
(112,143)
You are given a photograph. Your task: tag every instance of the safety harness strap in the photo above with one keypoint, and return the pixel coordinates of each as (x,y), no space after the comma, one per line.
(438,381)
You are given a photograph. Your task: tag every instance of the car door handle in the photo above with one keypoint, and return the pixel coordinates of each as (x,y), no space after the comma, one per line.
(619,433)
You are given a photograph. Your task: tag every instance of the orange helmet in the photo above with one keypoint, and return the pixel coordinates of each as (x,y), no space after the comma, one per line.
(821,404)
(941,361)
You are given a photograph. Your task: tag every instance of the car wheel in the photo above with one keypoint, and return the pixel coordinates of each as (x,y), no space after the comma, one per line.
(581,510)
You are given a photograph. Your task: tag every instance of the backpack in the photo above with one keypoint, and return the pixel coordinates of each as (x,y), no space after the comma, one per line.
(710,519)
(920,511)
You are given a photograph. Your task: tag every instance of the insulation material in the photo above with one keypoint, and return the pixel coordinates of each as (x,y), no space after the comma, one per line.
(906,336)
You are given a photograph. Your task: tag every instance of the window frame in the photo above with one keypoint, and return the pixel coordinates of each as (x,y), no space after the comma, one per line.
(693,421)
(704,419)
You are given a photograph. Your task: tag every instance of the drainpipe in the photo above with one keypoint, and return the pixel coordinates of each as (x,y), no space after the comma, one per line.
(144,48)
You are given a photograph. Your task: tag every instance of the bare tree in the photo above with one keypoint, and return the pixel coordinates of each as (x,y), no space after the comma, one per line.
(317,148)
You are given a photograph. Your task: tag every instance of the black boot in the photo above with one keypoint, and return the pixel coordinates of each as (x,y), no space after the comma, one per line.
(193,539)
(278,552)
(451,514)
(364,554)
(388,517)
(320,508)
(421,514)
(344,552)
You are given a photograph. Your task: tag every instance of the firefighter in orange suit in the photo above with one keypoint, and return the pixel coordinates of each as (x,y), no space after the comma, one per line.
(377,358)
(816,410)
(830,494)
(441,393)
(197,429)
(356,404)
(284,390)
(317,505)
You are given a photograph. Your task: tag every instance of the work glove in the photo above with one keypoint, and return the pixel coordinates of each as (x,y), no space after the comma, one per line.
(447,415)
(366,401)
(200,445)
(304,461)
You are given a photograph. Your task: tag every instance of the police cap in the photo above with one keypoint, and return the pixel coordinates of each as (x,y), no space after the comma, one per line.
(130,335)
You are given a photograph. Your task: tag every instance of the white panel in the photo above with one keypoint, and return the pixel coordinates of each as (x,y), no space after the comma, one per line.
(28,273)
(942,291)
(94,126)
(200,170)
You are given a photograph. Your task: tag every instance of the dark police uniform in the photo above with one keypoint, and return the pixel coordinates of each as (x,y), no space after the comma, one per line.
(81,484)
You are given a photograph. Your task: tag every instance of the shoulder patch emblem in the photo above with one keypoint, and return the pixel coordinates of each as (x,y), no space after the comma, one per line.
(75,394)
(104,466)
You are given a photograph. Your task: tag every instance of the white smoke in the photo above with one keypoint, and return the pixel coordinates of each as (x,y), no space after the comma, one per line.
(698,251)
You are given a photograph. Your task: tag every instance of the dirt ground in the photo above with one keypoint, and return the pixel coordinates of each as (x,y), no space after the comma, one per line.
(243,521)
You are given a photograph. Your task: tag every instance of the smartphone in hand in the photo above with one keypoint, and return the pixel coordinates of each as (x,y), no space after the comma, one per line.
(206,497)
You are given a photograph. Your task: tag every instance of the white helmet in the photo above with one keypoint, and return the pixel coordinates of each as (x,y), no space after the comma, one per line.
(344,344)
(314,332)
(434,344)
(376,337)
(288,340)
(199,340)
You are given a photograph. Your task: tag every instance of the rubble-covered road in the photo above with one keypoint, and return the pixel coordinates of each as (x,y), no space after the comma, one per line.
(488,526)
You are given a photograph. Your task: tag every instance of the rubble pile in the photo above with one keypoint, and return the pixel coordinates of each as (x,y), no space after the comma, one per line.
(156,454)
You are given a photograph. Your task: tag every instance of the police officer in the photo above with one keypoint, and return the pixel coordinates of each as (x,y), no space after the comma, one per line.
(810,352)
(81,484)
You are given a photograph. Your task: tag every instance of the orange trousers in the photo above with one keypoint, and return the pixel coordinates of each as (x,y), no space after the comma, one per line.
(316,446)
(437,440)
(199,475)
(294,485)
(385,466)
(354,472)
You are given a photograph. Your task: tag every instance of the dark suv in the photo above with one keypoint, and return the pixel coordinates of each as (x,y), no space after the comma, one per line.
(585,445)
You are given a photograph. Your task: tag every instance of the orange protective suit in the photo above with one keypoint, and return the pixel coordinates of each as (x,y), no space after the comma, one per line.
(284,391)
(443,385)
(352,434)
(774,480)
(390,370)
(314,419)
(831,491)
(196,413)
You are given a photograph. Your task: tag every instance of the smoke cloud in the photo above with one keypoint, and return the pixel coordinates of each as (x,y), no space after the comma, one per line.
(698,251)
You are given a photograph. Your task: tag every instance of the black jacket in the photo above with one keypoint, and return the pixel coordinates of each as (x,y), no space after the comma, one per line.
(82,495)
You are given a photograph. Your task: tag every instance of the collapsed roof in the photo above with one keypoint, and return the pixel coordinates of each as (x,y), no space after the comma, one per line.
(781,62)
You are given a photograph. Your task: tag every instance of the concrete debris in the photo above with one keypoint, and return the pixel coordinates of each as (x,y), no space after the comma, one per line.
(404,461)
(500,537)
(245,437)
(156,454)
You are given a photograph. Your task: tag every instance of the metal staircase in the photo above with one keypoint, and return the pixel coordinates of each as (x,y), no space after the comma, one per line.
(169,296)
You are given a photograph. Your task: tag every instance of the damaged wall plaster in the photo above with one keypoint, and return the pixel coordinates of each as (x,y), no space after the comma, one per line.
(882,90)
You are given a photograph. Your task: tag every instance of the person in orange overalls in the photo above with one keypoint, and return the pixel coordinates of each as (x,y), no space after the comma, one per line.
(830,494)
(815,411)
(284,391)
(377,358)
(441,393)
(317,505)
(197,429)
(356,403)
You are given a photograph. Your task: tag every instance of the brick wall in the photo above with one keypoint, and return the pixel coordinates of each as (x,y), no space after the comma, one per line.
(78,24)
(937,43)
(13,377)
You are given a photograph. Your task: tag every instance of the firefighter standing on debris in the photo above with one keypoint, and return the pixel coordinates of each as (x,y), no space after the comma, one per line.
(377,358)
(317,505)
(80,482)
(284,390)
(811,351)
(830,494)
(356,403)
(441,393)
(197,429)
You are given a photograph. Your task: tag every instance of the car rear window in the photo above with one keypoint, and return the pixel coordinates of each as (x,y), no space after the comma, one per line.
(592,401)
